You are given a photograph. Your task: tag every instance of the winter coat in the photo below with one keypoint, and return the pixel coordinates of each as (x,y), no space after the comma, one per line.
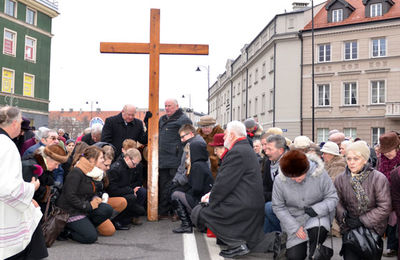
(78,190)
(46,179)
(268,182)
(289,199)
(88,139)
(18,216)
(209,139)
(236,205)
(180,178)
(115,131)
(379,207)
(395,190)
(200,178)
(170,146)
(123,179)
(335,166)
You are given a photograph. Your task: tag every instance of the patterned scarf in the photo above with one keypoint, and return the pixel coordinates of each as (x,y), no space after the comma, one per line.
(386,165)
(356,183)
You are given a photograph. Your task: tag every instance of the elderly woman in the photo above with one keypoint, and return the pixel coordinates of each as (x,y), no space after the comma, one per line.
(334,162)
(364,197)
(304,200)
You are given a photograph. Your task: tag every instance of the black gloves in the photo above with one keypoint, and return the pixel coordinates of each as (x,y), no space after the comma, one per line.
(353,222)
(309,211)
(146,118)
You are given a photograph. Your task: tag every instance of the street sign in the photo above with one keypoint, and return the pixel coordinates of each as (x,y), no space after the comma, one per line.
(96,120)
(284,130)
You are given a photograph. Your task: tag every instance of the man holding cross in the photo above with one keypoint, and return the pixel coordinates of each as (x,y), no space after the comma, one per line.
(170,152)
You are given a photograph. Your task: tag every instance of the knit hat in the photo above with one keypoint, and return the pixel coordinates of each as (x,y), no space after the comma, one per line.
(218,140)
(25,124)
(274,131)
(250,123)
(301,142)
(388,142)
(331,148)
(294,164)
(361,147)
(69,141)
(206,121)
(56,153)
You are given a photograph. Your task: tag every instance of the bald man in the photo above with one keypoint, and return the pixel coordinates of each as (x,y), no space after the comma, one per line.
(123,126)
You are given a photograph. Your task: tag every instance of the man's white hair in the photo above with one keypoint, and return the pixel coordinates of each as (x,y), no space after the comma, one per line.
(96,128)
(236,127)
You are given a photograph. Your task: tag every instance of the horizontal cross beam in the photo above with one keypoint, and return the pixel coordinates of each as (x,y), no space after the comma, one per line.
(144,48)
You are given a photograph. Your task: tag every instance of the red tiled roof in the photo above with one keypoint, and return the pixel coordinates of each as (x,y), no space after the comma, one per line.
(358,16)
(80,116)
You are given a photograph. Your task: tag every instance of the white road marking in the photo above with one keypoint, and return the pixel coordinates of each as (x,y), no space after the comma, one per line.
(190,247)
(213,248)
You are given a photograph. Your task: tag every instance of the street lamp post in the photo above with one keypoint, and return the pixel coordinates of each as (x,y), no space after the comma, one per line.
(312,72)
(208,84)
(91,108)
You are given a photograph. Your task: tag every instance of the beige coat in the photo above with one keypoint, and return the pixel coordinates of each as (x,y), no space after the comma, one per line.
(209,139)
(335,166)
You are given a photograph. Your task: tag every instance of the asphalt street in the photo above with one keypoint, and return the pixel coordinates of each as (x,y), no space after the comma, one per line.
(152,240)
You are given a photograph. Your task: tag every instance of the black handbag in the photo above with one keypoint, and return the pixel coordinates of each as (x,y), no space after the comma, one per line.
(322,252)
(53,222)
(364,242)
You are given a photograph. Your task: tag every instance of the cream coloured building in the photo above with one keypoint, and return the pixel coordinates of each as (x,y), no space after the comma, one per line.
(264,81)
(357,69)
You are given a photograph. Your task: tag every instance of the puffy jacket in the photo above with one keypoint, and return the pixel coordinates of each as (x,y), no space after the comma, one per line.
(170,146)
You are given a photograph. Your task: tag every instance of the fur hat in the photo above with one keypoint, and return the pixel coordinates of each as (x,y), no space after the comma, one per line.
(294,164)
(56,152)
(361,147)
(249,123)
(388,142)
(206,121)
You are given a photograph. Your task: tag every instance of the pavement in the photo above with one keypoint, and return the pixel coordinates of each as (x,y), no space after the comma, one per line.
(153,240)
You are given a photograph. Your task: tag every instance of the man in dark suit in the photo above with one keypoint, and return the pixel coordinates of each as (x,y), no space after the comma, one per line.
(123,126)
(235,212)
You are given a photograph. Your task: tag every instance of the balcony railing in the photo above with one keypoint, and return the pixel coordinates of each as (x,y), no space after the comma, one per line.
(52,4)
(393,110)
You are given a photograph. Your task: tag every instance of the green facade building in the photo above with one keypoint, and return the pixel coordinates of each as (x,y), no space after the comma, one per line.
(25,46)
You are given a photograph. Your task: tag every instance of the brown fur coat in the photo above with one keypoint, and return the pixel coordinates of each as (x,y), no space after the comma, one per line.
(209,138)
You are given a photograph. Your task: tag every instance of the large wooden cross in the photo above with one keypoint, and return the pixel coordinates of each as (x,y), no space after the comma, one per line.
(154,48)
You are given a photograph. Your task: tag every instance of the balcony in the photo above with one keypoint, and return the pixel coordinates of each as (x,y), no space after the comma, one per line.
(392,110)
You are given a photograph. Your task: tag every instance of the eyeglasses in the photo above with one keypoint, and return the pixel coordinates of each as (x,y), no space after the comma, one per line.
(133,163)
(183,136)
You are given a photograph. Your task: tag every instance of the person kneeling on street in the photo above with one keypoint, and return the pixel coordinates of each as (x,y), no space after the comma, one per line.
(200,182)
(78,197)
(304,200)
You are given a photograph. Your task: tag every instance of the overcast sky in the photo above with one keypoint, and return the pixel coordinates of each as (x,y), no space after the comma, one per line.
(79,73)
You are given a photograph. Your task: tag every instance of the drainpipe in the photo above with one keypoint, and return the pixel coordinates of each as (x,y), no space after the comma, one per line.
(301,82)
(247,90)
(231,102)
(273,114)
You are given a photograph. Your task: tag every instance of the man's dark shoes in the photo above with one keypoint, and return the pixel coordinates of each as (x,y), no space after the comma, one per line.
(120,226)
(174,218)
(183,229)
(136,221)
(236,251)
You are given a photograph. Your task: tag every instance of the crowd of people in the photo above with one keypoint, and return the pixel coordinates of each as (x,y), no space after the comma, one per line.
(254,189)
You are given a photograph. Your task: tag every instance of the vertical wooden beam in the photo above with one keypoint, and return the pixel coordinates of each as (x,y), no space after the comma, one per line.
(152,192)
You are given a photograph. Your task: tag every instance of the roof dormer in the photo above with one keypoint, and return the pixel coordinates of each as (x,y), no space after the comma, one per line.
(338,10)
(374,8)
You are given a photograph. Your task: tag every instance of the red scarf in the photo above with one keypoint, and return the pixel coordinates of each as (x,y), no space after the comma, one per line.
(386,165)
(227,150)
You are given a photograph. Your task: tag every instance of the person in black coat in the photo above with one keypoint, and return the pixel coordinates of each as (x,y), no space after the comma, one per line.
(235,213)
(200,182)
(123,126)
(169,152)
(94,136)
(124,182)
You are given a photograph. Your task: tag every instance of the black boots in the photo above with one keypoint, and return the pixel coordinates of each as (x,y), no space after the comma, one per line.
(186,226)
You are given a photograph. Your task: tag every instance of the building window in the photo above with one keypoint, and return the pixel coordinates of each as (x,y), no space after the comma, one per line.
(7,83)
(376,10)
(233,114)
(30,49)
(250,79)
(264,70)
(379,47)
(324,51)
(337,15)
(263,103)
(9,42)
(29,85)
(271,63)
(350,50)
(11,8)
(350,132)
(324,98)
(376,133)
(322,135)
(350,93)
(238,113)
(271,99)
(30,16)
(291,23)
(256,77)
(378,92)
(249,108)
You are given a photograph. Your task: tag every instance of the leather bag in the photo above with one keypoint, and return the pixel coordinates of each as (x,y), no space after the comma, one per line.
(322,252)
(365,242)
(53,222)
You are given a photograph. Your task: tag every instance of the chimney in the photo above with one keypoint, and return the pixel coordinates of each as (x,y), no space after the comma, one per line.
(71,110)
(299,5)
